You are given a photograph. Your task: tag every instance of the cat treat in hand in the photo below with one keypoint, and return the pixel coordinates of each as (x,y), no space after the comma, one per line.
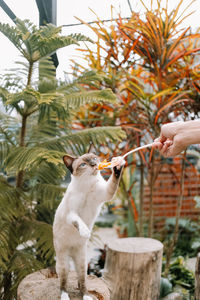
(119,160)
(116,161)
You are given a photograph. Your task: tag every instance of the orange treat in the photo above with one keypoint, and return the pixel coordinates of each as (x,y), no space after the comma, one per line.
(104,164)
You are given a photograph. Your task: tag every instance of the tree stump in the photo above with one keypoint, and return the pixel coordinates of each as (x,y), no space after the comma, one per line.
(197,278)
(44,285)
(133,268)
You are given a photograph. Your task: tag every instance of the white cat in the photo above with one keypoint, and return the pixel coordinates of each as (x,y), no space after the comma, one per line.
(76,214)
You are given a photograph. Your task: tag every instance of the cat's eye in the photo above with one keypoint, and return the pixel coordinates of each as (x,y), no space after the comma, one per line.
(82,165)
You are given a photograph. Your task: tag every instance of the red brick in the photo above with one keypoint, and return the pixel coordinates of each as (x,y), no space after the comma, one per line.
(167,191)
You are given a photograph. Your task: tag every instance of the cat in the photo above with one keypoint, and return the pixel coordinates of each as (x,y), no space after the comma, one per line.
(76,214)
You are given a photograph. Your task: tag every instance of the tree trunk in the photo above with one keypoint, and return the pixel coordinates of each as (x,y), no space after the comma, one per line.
(44,285)
(197,278)
(133,268)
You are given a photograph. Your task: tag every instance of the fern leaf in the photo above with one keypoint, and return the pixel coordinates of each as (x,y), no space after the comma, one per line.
(44,241)
(23,158)
(45,174)
(9,127)
(47,46)
(11,33)
(49,193)
(4,244)
(28,95)
(21,264)
(11,205)
(77,141)
(76,100)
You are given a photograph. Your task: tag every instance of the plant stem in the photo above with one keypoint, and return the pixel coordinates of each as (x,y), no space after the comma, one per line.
(22,144)
(20,174)
(130,206)
(141,197)
(178,213)
(29,74)
(7,285)
(151,210)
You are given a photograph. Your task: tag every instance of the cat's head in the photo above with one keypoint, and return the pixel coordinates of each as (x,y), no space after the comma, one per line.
(86,164)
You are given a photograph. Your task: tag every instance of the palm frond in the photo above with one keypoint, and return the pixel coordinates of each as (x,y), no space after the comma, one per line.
(23,158)
(44,174)
(4,244)
(75,100)
(44,241)
(48,45)
(69,98)
(9,128)
(29,96)
(4,94)
(36,44)
(47,74)
(21,264)
(78,141)
(11,205)
(11,33)
(49,193)
(90,78)
(4,151)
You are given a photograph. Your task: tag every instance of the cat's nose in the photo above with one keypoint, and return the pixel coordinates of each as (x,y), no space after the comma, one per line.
(93,163)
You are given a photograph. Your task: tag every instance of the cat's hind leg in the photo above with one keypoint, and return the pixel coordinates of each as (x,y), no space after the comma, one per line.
(62,269)
(64,296)
(80,262)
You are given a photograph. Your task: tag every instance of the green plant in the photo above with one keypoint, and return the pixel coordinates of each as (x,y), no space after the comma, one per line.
(165,287)
(152,65)
(179,275)
(188,243)
(36,129)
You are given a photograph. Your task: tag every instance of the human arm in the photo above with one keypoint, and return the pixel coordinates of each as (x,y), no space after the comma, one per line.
(177,136)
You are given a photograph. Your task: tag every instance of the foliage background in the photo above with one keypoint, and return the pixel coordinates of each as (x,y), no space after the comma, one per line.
(144,72)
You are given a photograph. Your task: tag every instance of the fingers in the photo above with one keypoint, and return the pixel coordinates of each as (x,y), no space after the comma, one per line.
(165,147)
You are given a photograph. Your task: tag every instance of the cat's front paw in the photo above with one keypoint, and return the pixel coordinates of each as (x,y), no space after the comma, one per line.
(87,297)
(64,296)
(84,232)
(118,162)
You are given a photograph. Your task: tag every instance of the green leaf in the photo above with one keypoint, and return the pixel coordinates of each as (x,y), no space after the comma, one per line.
(23,158)
(75,100)
(77,141)
(36,44)
(44,241)
(165,287)
(11,33)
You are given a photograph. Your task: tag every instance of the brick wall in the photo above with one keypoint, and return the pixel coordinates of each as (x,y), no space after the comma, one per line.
(167,192)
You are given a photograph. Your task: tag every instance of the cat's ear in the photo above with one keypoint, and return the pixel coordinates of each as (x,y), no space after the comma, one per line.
(91,148)
(68,161)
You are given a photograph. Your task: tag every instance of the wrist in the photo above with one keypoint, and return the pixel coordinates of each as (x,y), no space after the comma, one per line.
(189,132)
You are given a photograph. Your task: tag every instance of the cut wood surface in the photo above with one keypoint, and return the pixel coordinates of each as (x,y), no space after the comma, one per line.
(43,285)
(133,268)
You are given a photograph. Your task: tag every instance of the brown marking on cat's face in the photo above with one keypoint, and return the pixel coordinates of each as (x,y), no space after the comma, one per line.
(87,164)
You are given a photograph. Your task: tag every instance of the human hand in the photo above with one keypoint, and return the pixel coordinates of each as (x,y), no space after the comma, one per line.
(172,140)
